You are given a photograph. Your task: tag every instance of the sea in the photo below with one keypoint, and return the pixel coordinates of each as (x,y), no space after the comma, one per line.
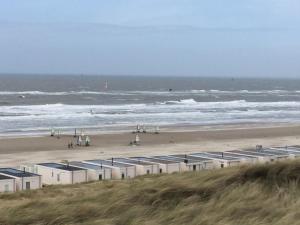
(35,104)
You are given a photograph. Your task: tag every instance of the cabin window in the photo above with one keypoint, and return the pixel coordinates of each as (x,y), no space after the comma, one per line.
(27,185)
(194,167)
(160,170)
(58,177)
(100,176)
(123,175)
(6,188)
(148,171)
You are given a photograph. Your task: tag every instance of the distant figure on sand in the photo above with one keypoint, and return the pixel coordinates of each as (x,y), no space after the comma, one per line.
(136,141)
(144,129)
(52,132)
(87,141)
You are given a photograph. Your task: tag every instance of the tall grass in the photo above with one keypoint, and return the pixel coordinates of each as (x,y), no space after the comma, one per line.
(262,194)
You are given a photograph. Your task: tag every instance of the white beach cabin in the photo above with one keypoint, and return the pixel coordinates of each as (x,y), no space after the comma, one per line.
(23,180)
(57,173)
(165,166)
(262,157)
(246,159)
(292,152)
(142,168)
(95,172)
(195,163)
(220,161)
(182,162)
(119,170)
(7,184)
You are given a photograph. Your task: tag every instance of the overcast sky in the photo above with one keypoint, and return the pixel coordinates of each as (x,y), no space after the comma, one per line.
(151,37)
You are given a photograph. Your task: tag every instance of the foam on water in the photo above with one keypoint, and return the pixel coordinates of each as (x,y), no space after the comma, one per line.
(39,118)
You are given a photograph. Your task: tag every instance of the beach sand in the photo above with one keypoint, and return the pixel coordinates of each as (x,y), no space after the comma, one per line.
(22,150)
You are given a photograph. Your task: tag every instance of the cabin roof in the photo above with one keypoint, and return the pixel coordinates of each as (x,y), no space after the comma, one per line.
(252,153)
(169,158)
(133,161)
(190,157)
(3,177)
(207,155)
(184,160)
(288,151)
(228,154)
(16,173)
(87,165)
(61,166)
(108,163)
(276,152)
(263,152)
(154,160)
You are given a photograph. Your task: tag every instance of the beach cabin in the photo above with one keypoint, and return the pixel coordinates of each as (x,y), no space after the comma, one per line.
(275,156)
(220,161)
(119,170)
(262,157)
(243,158)
(58,173)
(294,154)
(182,163)
(279,154)
(94,172)
(142,167)
(165,166)
(7,184)
(291,148)
(294,147)
(23,180)
(195,163)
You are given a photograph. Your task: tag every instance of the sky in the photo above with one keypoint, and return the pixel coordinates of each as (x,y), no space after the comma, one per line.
(151,37)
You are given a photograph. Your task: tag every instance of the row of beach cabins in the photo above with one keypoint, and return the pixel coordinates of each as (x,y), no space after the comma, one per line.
(28,177)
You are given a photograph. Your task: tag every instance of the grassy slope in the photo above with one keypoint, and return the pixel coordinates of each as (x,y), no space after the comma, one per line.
(266,194)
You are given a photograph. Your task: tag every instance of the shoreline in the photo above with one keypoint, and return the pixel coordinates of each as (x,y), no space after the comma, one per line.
(163,128)
(17,151)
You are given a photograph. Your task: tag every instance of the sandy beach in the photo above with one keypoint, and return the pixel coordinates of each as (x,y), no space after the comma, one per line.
(16,151)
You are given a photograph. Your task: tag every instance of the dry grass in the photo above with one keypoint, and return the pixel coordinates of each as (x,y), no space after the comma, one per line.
(265,194)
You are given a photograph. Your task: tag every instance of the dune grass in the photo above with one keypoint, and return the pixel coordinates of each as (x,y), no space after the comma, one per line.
(262,194)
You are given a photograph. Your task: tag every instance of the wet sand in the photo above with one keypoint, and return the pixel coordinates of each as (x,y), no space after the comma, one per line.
(15,151)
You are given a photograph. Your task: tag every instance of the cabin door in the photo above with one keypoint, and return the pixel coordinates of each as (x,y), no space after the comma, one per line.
(27,185)
(194,167)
